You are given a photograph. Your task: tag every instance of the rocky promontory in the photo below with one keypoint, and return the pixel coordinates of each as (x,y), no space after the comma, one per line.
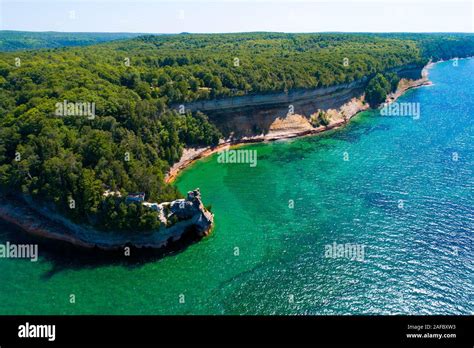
(189,216)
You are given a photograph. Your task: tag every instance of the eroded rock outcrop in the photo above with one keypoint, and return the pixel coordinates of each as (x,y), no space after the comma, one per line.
(191,217)
(192,208)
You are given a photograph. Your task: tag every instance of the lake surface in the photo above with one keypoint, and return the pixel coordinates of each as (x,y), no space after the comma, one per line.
(400,190)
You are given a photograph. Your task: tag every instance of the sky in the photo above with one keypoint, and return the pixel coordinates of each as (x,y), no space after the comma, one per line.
(204,16)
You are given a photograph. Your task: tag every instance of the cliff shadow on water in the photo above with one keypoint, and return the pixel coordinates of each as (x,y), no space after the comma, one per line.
(64,256)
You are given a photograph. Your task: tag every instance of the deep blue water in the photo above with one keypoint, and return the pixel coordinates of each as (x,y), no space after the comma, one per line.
(406,194)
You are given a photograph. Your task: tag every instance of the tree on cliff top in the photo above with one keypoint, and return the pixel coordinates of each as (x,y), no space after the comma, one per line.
(393,79)
(377,90)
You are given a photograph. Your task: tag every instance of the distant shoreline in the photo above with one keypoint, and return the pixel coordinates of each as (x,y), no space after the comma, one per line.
(191,155)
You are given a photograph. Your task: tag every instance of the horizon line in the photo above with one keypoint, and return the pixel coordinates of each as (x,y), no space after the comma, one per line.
(238,32)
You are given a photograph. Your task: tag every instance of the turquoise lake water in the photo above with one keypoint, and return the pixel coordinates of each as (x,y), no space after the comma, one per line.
(405,195)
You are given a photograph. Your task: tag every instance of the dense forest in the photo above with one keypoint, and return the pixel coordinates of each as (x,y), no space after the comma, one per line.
(12,40)
(137,130)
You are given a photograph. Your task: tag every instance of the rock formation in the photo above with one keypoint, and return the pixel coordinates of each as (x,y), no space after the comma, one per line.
(191,217)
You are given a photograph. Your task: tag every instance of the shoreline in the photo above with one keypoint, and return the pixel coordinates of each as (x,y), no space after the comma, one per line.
(192,155)
(45,224)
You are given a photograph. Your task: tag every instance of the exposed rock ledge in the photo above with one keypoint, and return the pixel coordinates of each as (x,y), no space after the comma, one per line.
(297,125)
(39,221)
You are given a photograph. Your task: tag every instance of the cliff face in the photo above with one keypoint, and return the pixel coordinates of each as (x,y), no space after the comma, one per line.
(253,115)
(268,120)
(271,99)
(191,214)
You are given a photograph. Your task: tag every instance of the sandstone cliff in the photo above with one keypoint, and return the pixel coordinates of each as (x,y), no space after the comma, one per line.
(190,212)
(260,114)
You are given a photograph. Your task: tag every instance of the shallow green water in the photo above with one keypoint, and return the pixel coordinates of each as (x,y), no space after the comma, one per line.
(265,257)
